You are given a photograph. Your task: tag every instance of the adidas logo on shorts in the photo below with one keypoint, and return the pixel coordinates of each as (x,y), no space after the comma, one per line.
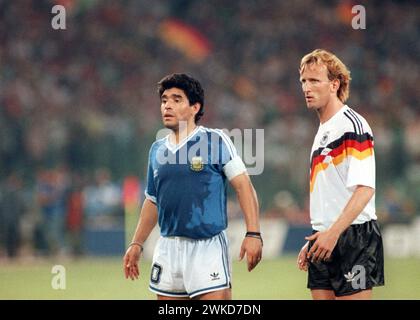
(349,276)
(214,276)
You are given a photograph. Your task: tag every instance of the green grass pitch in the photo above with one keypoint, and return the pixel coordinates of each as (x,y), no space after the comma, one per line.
(91,278)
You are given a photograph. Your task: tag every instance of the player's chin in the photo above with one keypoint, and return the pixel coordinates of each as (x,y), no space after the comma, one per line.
(311,105)
(170,124)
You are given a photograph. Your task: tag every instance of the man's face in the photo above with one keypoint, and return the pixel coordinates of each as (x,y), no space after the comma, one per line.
(175,107)
(316,86)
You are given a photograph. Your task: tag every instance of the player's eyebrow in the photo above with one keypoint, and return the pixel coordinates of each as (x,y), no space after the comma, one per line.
(309,79)
(173,96)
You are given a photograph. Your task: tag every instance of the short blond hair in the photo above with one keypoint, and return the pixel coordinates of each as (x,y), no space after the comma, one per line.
(336,69)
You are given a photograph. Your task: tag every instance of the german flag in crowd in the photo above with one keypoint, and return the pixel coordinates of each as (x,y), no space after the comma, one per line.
(185,38)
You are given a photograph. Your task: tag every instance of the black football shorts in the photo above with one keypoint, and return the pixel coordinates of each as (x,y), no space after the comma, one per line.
(356,263)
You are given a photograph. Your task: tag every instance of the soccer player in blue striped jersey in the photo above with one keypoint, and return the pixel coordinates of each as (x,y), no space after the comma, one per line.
(187,179)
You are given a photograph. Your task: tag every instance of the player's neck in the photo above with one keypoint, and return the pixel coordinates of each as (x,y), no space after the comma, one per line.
(182,132)
(329,110)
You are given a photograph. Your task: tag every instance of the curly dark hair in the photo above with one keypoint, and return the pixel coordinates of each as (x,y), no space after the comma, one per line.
(191,87)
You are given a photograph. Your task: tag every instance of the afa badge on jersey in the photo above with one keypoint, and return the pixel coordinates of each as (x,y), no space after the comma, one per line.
(197,164)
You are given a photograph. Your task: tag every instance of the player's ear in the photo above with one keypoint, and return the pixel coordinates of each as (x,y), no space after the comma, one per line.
(195,108)
(335,85)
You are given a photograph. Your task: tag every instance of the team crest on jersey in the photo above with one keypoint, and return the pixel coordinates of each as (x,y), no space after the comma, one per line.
(324,139)
(197,164)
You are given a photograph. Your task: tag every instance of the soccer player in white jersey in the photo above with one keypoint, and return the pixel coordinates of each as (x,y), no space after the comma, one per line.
(344,255)
(186,195)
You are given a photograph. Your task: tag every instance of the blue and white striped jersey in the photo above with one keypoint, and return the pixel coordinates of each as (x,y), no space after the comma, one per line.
(187,182)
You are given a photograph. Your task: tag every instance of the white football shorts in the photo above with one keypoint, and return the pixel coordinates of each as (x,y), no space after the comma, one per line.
(184,267)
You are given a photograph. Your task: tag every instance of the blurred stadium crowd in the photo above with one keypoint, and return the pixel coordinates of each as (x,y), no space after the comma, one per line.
(79,108)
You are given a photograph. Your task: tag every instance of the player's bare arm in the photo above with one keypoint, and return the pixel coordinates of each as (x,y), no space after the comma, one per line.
(147,221)
(325,241)
(248,201)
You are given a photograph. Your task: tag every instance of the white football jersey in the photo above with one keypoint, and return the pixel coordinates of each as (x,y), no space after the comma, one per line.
(342,158)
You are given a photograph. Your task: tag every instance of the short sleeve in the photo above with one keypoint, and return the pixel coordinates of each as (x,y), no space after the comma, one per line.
(232,163)
(150,191)
(361,161)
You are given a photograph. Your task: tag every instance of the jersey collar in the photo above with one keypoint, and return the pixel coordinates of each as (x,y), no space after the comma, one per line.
(175,147)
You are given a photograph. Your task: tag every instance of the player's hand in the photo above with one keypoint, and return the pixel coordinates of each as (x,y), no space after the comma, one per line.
(253,249)
(302,260)
(325,242)
(130,262)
